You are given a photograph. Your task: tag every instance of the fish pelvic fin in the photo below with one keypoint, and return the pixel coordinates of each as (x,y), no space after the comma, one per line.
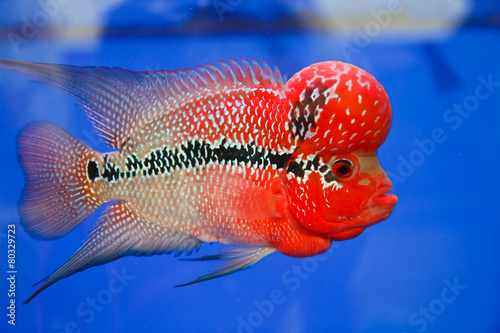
(58,194)
(121,231)
(231,260)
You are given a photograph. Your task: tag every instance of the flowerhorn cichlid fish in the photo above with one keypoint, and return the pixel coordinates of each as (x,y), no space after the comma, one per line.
(228,153)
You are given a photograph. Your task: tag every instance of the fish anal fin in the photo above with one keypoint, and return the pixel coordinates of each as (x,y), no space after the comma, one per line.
(121,231)
(233,259)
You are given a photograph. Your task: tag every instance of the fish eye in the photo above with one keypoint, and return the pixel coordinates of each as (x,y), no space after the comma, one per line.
(342,168)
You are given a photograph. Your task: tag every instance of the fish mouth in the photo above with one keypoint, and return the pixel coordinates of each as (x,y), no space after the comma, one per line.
(384,199)
(380,198)
(377,208)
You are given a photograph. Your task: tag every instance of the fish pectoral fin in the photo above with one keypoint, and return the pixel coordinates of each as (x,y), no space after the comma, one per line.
(121,231)
(234,195)
(232,259)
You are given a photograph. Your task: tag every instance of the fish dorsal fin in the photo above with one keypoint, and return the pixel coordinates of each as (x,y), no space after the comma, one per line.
(118,101)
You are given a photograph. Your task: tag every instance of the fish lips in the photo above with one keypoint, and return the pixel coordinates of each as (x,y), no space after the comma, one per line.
(381,198)
(377,208)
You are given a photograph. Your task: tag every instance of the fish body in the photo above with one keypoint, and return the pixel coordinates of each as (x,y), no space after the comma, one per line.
(228,153)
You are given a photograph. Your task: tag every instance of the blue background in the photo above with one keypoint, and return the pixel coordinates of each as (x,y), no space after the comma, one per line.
(395,277)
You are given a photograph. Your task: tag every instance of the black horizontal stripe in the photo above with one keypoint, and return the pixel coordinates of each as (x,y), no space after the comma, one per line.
(92,170)
(198,154)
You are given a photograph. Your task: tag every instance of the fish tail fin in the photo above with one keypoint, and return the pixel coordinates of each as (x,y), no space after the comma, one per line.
(58,194)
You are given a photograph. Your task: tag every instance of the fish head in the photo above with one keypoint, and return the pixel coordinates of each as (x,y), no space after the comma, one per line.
(340,115)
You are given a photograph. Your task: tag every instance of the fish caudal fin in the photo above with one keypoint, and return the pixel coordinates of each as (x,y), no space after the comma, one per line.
(231,260)
(58,195)
(121,231)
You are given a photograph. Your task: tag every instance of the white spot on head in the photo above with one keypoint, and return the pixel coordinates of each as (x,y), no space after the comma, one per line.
(360,98)
(302,95)
(347,112)
(315,94)
(364,182)
(349,85)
